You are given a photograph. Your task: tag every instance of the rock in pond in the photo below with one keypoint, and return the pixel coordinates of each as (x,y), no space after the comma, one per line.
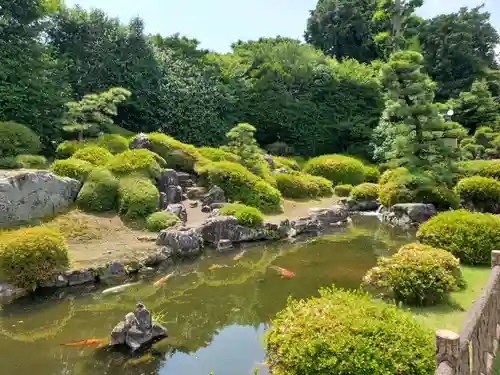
(224,245)
(362,205)
(141,140)
(185,242)
(214,195)
(10,292)
(408,215)
(79,277)
(334,214)
(178,210)
(218,228)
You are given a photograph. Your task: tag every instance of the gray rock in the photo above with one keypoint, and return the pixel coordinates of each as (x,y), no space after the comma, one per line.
(79,277)
(184,243)
(161,255)
(168,177)
(205,209)
(334,214)
(408,215)
(269,160)
(174,194)
(193,204)
(178,210)
(364,205)
(184,179)
(304,225)
(196,192)
(57,281)
(141,140)
(32,195)
(114,268)
(10,292)
(224,245)
(214,195)
(215,212)
(219,228)
(281,170)
(216,206)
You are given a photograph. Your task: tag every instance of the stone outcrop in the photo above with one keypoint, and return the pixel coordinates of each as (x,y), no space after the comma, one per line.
(281,170)
(168,177)
(195,192)
(408,215)
(218,228)
(362,205)
(33,195)
(178,210)
(326,216)
(214,195)
(9,292)
(141,140)
(184,242)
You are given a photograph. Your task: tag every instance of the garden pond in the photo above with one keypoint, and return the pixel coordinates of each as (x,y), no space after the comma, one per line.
(216,308)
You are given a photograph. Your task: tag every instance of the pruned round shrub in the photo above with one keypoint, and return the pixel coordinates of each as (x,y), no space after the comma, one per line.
(241,185)
(95,155)
(417,274)
(372,174)
(393,174)
(10,162)
(31,255)
(158,221)
(246,215)
(470,236)
(303,186)
(140,161)
(114,143)
(74,168)
(66,149)
(284,162)
(99,192)
(178,155)
(346,332)
(484,168)
(479,193)
(364,192)
(339,169)
(218,154)
(17,139)
(137,197)
(32,161)
(342,190)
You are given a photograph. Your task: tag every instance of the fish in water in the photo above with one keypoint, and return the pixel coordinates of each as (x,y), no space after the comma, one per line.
(88,342)
(239,256)
(283,272)
(164,279)
(215,266)
(148,357)
(119,288)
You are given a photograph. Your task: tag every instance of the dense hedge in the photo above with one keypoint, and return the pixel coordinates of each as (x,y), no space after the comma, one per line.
(137,162)
(10,162)
(74,168)
(372,174)
(342,190)
(178,155)
(284,162)
(31,255)
(339,169)
(241,185)
(469,236)
(114,143)
(246,215)
(99,192)
(95,155)
(32,161)
(479,193)
(66,149)
(158,221)
(345,332)
(365,191)
(137,197)
(303,186)
(484,168)
(392,175)
(218,154)
(417,275)
(17,139)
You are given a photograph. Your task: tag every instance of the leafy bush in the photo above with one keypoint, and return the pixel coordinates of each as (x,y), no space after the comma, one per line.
(74,168)
(17,139)
(31,161)
(391,175)
(66,149)
(137,197)
(31,255)
(417,274)
(114,143)
(339,169)
(484,168)
(479,193)
(284,162)
(10,162)
(95,155)
(346,332)
(303,186)
(470,236)
(372,174)
(139,161)
(218,154)
(241,185)
(365,191)
(246,215)
(342,190)
(158,221)
(100,191)
(178,155)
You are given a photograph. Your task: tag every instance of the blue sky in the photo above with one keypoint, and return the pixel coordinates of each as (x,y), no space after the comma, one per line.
(218,23)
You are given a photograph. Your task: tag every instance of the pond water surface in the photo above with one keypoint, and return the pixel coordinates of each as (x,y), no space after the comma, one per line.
(215,316)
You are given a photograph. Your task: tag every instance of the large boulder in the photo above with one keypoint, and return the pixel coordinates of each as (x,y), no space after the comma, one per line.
(196,192)
(332,215)
(185,242)
(141,140)
(10,292)
(31,195)
(178,210)
(408,215)
(214,195)
(362,205)
(168,177)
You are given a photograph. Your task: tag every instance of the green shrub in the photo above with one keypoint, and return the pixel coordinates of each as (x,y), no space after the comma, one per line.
(100,191)
(479,193)
(470,236)
(339,169)
(346,332)
(246,215)
(484,168)
(391,175)
(241,185)
(158,221)
(342,190)
(137,197)
(284,162)
(31,255)
(95,155)
(10,162)
(114,143)
(32,161)
(218,154)
(74,168)
(17,139)
(140,161)
(66,149)
(417,275)
(365,191)
(303,186)
(178,155)
(372,174)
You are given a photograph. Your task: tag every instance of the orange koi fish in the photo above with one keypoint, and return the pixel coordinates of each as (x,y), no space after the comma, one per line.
(164,279)
(283,272)
(239,256)
(215,266)
(87,342)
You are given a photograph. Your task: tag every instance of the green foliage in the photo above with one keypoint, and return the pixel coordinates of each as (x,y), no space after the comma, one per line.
(10,162)
(372,174)
(73,168)
(158,221)
(139,161)
(345,332)
(484,168)
(484,144)
(32,255)
(284,162)
(95,155)
(17,139)
(469,236)
(479,193)
(99,192)
(339,169)
(365,191)
(392,175)
(115,143)
(302,186)
(342,190)
(137,197)
(241,185)
(218,154)
(32,161)
(178,155)
(246,215)
(66,149)
(417,275)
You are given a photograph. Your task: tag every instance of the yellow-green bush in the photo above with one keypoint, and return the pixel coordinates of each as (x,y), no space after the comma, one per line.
(95,155)
(99,192)
(31,161)
(241,185)
(484,168)
(284,162)
(246,215)
(138,161)
(31,255)
(301,186)
(160,220)
(372,174)
(365,191)
(66,149)
(114,143)
(347,332)
(137,197)
(74,168)
(218,154)
(342,190)
(470,236)
(178,155)
(479,193)
(339,169)
(417,275)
